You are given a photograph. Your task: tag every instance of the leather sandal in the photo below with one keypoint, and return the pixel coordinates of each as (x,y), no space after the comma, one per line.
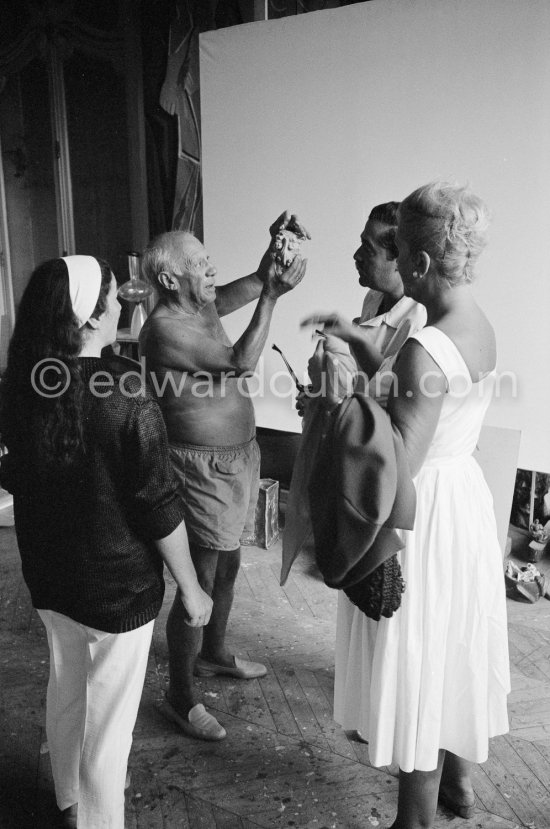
(241,669)
(199,723)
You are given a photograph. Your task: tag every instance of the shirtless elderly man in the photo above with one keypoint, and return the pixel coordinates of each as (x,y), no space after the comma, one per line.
(200,377)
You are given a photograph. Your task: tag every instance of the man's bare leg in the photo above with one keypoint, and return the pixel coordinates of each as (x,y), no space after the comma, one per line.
(213,642)
(184,641)
(417,800)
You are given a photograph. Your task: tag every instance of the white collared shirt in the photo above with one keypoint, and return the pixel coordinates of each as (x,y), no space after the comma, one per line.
(387,332)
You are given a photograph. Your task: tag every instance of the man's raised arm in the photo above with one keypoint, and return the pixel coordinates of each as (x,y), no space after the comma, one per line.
(240,292)
(249,346)
(196,347)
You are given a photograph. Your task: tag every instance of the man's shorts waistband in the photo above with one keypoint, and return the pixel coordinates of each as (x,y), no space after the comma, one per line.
(193,447)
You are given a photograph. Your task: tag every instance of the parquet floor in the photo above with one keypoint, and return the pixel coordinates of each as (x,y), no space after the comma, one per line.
(285,763)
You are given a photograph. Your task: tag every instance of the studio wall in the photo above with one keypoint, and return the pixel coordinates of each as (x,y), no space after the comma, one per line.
(332,112)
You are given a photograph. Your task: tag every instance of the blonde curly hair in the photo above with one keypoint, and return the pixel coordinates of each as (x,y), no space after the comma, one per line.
(449,223)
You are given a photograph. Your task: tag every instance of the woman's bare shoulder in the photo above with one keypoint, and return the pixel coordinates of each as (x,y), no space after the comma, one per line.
(475,339)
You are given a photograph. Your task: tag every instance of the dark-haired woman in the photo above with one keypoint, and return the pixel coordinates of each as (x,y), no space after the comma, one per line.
(97,512)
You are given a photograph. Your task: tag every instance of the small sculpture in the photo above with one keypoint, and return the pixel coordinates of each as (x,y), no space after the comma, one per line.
(287,242)
(540,536)
(525,583)
(538,532)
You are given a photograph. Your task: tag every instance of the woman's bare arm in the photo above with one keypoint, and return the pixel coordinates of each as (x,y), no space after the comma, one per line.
(415,401)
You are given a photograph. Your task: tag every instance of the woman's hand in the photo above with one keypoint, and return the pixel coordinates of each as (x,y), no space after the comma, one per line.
(332,397)
(197,604)
(302,401)
(333,324)
(315,365)
(174,550)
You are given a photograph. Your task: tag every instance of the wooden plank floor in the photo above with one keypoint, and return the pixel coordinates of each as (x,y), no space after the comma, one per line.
(285,763)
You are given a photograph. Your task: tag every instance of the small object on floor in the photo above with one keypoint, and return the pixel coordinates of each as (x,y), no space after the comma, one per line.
(356,736)
(242,669)
(68,817)
(525,584)
(266,516)
(199,723)
(464,810)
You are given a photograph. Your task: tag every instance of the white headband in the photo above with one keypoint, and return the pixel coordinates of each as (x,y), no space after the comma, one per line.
(84,285)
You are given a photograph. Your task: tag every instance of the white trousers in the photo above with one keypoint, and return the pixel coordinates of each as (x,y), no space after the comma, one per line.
(94,689)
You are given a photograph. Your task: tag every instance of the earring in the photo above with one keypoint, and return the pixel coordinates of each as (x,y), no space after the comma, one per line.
(415,274)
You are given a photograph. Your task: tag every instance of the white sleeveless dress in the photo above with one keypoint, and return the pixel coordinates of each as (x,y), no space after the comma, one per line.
(436,674)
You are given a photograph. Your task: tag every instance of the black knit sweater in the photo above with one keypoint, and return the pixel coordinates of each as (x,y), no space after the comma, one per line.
(86,538)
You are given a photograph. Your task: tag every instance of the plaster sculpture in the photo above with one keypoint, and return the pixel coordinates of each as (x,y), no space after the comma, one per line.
(287,242)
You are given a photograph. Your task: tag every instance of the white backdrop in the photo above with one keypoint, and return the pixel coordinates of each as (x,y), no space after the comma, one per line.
(332,112)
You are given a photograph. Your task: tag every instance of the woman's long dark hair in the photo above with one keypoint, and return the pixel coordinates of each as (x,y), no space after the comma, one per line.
(40,426)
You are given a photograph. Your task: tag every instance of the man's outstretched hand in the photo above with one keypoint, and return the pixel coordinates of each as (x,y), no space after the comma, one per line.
(333,323)
(280,282)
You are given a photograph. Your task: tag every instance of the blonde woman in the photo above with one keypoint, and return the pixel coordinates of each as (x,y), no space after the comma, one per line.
(427,687)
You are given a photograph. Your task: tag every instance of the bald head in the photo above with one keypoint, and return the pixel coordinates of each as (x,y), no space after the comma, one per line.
(170,253)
